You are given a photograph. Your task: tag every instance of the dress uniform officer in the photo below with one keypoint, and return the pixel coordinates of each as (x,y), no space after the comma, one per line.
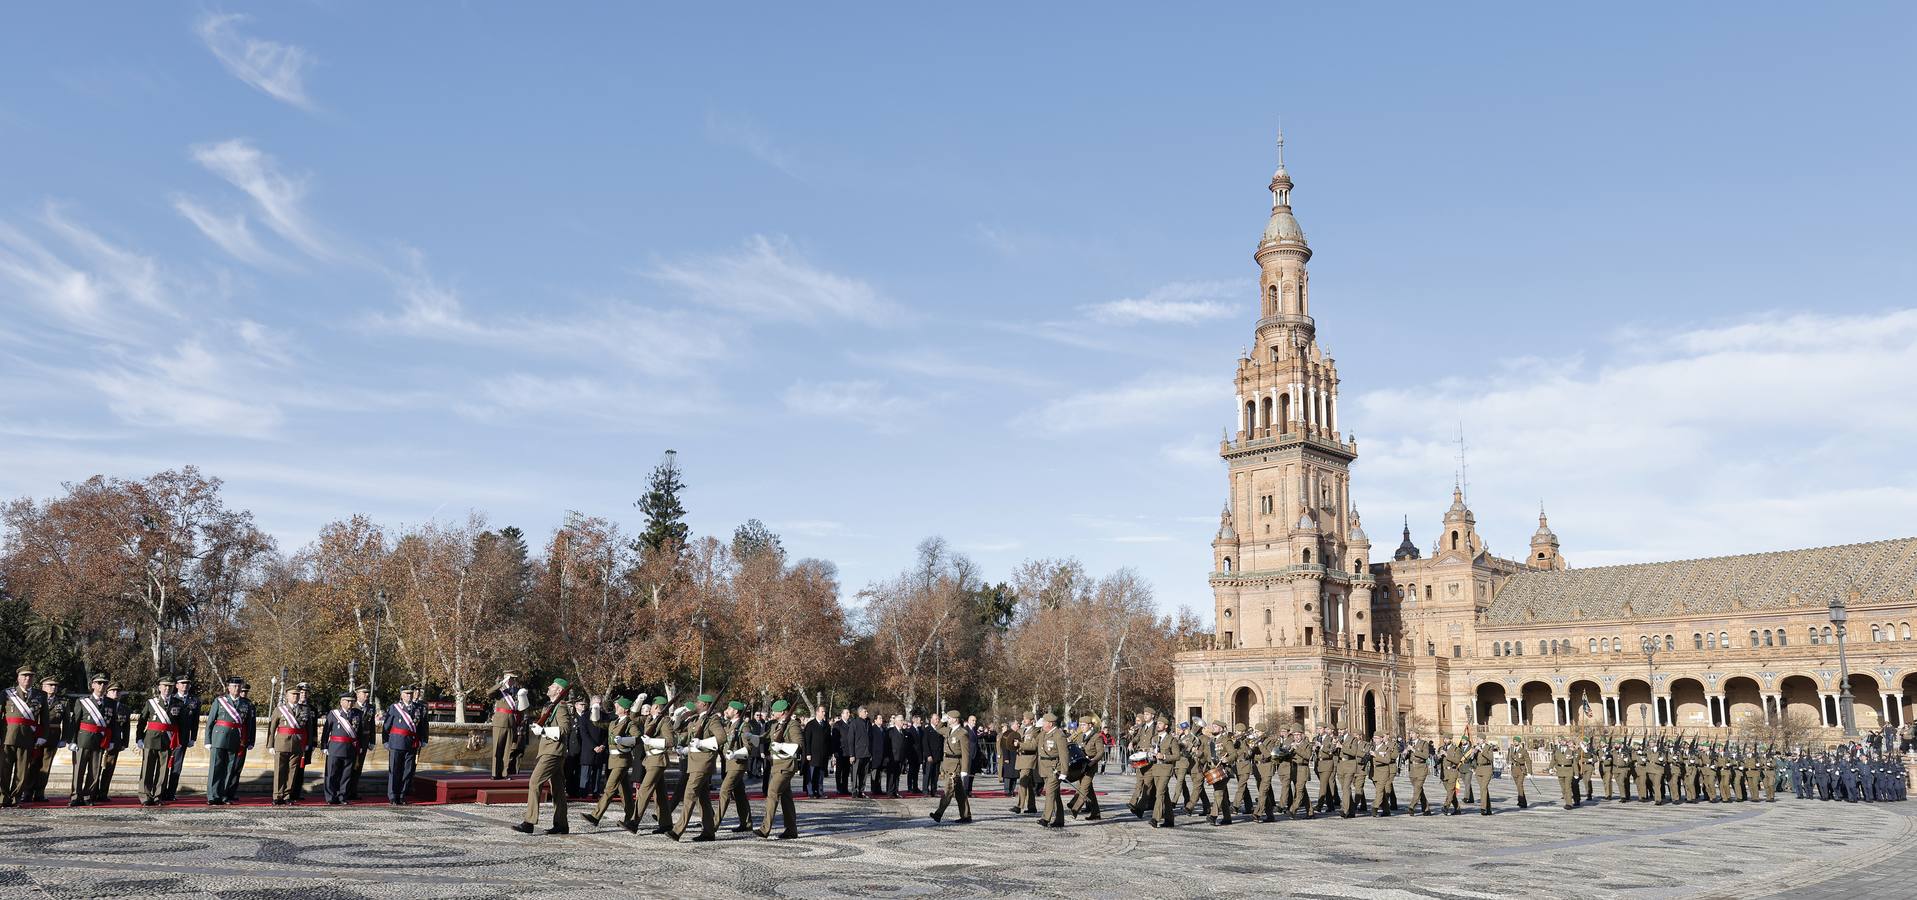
(25,712)
(736,754)
(622,734)
(341,733)
(1052,756)
(1084,794)
(368,727)
(116,741)
(655,739)
(956,768)
(287,729)
(159,731)
(311,717)
(90,730)
(704,732)
(782,736)
(549,730)
(50,740)
(228,724)
(1025,763)
(1517,763)
(189,731)
(405,733)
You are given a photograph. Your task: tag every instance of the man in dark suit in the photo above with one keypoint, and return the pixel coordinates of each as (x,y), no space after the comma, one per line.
(841,751)
(913,759)
(900,747)
(592,756)
(931,748)
(875,769)
(858,751)
(816,747)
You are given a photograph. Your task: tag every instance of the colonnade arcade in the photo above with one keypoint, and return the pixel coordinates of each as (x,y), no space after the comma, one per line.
(1691,701)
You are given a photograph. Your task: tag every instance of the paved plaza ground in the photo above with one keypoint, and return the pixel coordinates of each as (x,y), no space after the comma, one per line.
(852,848)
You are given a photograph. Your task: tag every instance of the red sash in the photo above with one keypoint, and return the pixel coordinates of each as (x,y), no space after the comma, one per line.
(172,733)
(400,731)
(91,728)
(340,739)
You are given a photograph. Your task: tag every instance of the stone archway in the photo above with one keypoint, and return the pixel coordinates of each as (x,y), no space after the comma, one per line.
(1689,708)
(1801,698)
(1743,700)
(1585,701)
(1371,714)
(1492,705)
(1244,704)
(1634,703)
(1535,700)
(1866,702)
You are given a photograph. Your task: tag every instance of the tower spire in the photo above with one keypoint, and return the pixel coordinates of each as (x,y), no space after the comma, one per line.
(1281,147)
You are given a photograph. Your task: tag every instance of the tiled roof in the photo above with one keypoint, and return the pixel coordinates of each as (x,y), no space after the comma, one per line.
(1880,571)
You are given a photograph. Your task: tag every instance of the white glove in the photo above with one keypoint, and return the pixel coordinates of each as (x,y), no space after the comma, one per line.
(654,746)
(784,751)
(625,740)
(552,732)
(706,745)
(740,753)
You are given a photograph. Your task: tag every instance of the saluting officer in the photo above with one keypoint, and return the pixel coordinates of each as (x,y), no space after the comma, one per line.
(955,769)
(226,736)
(287,730)
(90,730)
(509,720)
(159,736)
(404,733)
(551,727)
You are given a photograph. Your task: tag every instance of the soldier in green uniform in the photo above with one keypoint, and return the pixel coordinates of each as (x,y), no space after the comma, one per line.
(286,734)
(226,730)
(89,731)
(1247,770)
(47,743)
(704,732)
(1304,758)
(1136,741)
(508,724)
(1767,775)
(1588,762)
(1483,764)
(1026,761)
(1680,773)
(1084,793)
(159,731)
(1052,756)
(1420,750)
(1564,760)
(735,759)
(24,713)
(1261,753)
(1456,753)
(783,736)
(310,715)
(550,729)
(189,731)
(1353,754)
(955,770)
(1166,750)
(1517,763)
(1383,771)
(1190,781)
(655,739)
(1325,758)
(247,733)
(622,734)
(1219,750)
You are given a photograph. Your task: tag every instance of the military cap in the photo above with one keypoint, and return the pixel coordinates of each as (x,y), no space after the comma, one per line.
(735,704)
(1148,711)
(362,690)
(50,679)
(780,706)
(236,680)
(953,713)
(245,686)
(407,689)
(177,679)
(688,704)
(300,687)
(346,695)
(113,685)
(99,678)
(706,698)
(1052,718)
(165,683)
(623,702)
(1084,720)
(1241,728)
(25,670)
(563,683)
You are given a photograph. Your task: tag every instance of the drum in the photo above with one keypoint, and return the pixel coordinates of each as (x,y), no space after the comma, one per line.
(1141,760)
(1216,774)
(1075,768)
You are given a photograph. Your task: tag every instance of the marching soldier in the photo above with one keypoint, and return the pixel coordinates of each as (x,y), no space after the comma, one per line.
(159,736)
(1456,754)
(48,742)
(1767,776)
(1681,774)
(704,732)
(189,731)
(116,741)
(1261,750)
(1217,750)
(655,738)
(1421,751)
(1482,764)
(1518,763)
(621,736)
(226,734)
(405,733)
(783,736)
(1352,754)
(287,730)
(1084,795)
(735,760)
(1325,757)
(341,734)
(509,718)
(1190,775)
(1025,763)
(1166,751)
(1136,741)
(550,727)
(1049,770)
(956,770)
(1564,761)
(1617,773)
(1304,756)
(25,712)
(90,725)
(1248,765)
(368,729)
(1384,770)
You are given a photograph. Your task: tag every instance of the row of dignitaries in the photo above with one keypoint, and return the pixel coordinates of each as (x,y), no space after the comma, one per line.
(98,725)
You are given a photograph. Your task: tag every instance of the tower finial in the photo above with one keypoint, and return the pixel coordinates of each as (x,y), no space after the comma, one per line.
(1281,146)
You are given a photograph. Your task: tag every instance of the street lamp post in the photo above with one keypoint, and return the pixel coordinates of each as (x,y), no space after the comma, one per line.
(1838,616)
(1649,646)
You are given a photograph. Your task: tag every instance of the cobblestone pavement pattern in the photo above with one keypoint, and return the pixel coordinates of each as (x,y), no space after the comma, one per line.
(1790,848)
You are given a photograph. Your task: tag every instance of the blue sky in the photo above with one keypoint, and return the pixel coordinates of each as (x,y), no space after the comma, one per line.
(881,273)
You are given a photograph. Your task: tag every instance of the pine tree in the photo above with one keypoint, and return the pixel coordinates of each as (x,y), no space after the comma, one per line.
(754,538)
(666,528)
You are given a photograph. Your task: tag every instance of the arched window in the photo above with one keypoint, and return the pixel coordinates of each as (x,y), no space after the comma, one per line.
(1670,642)
(1813,634)
(1767,638)
(1454,540)
(1753,637)
(1782,641)
(1876,634)
(1307,556)
(1272,307)
(1591,646)
(1617,645)
(1697,641)
(1543,648)
(1357,566)
(1907,631)
(1496,649)
(1265,420)
(1825,635)
(1519,646)
(1267,616)
(1227,564)
(1712,643)
(1427,593)
(1251,417)
(1724,639)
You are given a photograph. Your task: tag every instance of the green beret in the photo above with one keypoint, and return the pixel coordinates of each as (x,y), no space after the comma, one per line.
(780,706)
(563,683)
(623,702)
(659,700)
(688,704)
(705,698)
(737,705)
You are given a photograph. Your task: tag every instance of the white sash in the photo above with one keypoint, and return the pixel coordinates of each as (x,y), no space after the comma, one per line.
(400,708)
(234,714)
(25,708)
(344,723)
(93,711)
(290,716)
(159,710)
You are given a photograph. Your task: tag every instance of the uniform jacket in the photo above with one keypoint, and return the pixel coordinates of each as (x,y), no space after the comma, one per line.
(659,728)
(158,725)
(555,715)
(955,747)
(90,722)
(340,731)
(406,726)
(229,723)
(508,710)
(25,711)
(287,728)
(619,754)
(189,718)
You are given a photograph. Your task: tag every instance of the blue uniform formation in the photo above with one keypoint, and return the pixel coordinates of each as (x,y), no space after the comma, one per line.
(1850,772)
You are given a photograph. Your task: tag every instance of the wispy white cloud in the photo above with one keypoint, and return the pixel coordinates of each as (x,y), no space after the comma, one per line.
(770,281)
(866,402)
(732,131)
(192,388)
(606,405)
(1197,452)
(83,282)
(1143,401)
(277,69)
(232,233)
(935,363)
(1178,303)
(280,197)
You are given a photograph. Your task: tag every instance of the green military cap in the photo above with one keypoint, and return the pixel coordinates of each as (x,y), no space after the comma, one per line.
(1084,720)
(165,683)
(50,679)
(113,686)
(706,698)
(97,679)
(737,705)
(780,706)
(1052,718)
(1241,728)
(953,713)
(688,704)
(623,702)
(656,700)
(563,683)
(1148,711)
(25,670)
